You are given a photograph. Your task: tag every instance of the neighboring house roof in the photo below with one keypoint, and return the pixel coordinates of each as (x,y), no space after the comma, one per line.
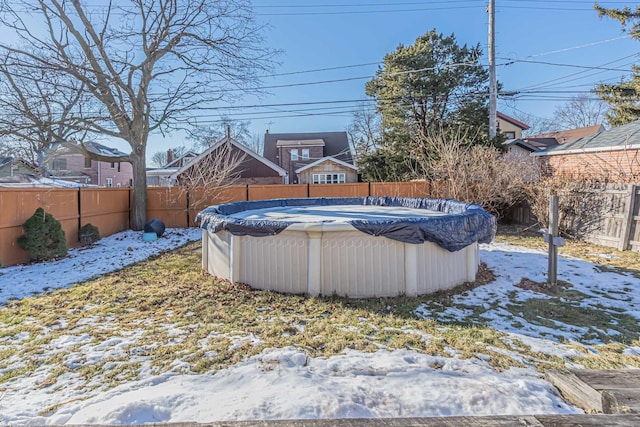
(513,121)
(6,161)
(325,159)
(521,143)
(336,144)
(161,171)
(71,147)
(298,142)
(564,136)
(541,143)
(236,144)
(618,138)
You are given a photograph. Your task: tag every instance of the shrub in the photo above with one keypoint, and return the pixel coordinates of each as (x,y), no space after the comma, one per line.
(43,237)
(89,233)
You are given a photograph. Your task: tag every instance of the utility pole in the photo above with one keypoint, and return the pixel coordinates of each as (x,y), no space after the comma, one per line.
(493,84)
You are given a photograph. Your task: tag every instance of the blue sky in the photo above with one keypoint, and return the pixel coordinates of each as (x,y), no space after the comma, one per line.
(353,36)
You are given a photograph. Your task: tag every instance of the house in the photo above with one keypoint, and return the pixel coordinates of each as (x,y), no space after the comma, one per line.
(312,157)
(67,161)
(511,128)
(564,136)
(161,177)
(12,167)
(228,162)
(609,155)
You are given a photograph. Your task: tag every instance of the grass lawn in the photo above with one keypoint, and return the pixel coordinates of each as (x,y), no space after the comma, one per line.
(167,315)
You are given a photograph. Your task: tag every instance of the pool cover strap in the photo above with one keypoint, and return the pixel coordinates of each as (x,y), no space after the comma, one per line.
(465,223)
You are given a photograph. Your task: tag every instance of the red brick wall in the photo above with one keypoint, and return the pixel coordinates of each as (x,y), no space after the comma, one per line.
(604,166)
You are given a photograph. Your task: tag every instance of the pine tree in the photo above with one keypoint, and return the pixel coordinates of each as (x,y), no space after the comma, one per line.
(43,238)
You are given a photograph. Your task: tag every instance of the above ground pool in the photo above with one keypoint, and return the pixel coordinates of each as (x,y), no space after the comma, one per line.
(357,247)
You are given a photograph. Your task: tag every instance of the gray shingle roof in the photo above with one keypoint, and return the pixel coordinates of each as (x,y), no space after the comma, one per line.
(618,138)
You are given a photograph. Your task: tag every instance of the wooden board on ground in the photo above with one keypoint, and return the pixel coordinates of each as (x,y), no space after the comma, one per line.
(621,401)
(575,390)
(607,379)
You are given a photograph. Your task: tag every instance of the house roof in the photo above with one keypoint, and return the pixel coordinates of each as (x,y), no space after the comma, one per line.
(564,136)
(541,143)
(6,161)
(30,180)
(236,144)
(521,143)
(336,144)
(71,147)
(325,159)
(513,121)
(618,138)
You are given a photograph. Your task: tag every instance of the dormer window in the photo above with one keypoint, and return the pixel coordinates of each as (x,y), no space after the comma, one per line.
(294,154)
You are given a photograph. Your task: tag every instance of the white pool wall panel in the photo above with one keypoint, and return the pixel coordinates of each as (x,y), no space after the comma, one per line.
(330,258)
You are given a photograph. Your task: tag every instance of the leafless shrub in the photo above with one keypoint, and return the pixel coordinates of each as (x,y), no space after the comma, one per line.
(207,177)
(581,204)
(474,173)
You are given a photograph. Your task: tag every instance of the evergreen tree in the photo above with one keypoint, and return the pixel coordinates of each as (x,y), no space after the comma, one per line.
(624,97)
(43,237)
(429,86)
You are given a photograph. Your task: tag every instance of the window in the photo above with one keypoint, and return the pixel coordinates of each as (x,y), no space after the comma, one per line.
(113,165)
(305,154)
(87,162)
(109,182)
(294,154)
(59,164)
(118,166)
(510,135)
(328,178)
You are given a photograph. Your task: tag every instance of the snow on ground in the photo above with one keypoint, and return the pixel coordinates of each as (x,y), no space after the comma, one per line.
(108,254)
(285,383)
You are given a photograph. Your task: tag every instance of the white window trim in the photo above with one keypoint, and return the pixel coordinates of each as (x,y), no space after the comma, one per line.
(109,182)
(294,154)
(305,154)
(328,178)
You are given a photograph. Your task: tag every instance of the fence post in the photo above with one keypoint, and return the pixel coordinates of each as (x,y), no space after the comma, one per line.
(625,234)
(553,233)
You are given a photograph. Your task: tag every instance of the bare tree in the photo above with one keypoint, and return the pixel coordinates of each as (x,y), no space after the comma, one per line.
(581,111)
(206,136)
(364,131)
(207,176)
(38,108)
(145,66)
(161,158)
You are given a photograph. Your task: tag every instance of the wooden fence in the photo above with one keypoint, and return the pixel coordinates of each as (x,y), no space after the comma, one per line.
(109,209)
(609,215)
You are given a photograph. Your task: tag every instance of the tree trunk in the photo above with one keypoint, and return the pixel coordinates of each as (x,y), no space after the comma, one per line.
(139,206)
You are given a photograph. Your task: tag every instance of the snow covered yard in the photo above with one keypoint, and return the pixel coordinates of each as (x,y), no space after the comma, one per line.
(163,341)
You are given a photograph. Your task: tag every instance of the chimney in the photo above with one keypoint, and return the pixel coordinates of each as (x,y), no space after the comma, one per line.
(228,132)
(169,156)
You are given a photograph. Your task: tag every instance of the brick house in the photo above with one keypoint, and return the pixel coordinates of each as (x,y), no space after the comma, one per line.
(66,161)
(312,157)
(608,156)
(161,177)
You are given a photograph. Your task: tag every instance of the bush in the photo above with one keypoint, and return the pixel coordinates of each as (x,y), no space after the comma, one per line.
(43,237)
(89,233)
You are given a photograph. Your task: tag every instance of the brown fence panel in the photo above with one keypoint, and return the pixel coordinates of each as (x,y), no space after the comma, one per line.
(400,189)
(18,204)
(106,208)
(168,204)
(339,190)
(203,197)
(284,191)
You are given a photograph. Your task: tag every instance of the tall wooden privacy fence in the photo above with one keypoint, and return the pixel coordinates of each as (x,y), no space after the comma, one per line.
(109,209)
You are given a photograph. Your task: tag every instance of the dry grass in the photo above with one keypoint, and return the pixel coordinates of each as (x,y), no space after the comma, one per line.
(178,318)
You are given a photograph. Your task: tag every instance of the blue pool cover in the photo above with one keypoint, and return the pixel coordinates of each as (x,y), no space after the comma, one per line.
(464,224)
